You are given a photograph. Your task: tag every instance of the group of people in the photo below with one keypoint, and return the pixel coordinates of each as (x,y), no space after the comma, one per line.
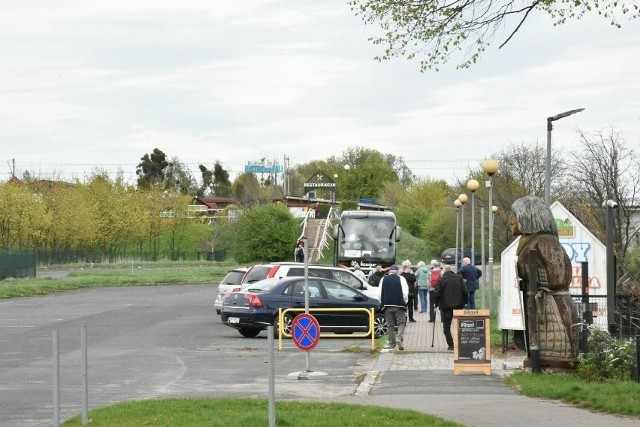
(403,291)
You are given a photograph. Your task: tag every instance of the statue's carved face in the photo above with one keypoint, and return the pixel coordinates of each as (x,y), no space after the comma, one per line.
(513,223)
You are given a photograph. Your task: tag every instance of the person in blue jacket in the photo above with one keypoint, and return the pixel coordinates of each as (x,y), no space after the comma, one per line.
(470,273)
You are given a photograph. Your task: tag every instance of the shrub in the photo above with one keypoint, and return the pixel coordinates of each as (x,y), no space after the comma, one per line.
(608,358)
(265,233)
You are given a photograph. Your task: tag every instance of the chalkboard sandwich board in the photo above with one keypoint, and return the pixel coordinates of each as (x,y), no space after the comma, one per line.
(472,337)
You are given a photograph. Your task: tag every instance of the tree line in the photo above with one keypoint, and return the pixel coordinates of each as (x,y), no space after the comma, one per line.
(107,218)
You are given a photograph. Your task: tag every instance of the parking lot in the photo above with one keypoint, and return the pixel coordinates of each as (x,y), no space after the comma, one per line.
(148,342)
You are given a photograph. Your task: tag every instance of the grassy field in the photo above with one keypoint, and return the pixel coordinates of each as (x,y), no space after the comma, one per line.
(120,274)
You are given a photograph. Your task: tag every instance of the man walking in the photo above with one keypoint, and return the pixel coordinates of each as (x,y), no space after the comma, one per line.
(394,294)
(450,294)
(470,273)
(408,275)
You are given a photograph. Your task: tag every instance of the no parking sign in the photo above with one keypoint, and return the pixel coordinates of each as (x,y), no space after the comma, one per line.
(305,331)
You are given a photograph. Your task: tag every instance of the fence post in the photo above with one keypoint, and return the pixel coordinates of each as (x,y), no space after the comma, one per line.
(587,315)
(638,358)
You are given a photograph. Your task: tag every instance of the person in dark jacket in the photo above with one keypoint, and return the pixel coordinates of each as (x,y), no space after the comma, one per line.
(394,294)
(408,275)
(299,252)
(451,294)
(376,276)
(470,273)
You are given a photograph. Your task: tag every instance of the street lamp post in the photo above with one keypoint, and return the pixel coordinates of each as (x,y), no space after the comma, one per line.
(547,174)
(457,203)
(472,186)
(463,199)
(609,206)
(346,183)
(484,276)
(490,167)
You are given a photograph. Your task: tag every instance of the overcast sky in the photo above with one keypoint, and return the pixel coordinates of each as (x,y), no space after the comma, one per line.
(97,84)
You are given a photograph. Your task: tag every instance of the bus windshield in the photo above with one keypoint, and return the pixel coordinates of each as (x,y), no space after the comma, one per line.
(367,238)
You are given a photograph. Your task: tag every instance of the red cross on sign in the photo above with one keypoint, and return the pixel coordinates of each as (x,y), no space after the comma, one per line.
(305,331)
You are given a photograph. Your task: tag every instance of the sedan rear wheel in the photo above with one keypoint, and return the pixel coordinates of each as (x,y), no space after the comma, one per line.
(379,326)
(286,326)
(249,332)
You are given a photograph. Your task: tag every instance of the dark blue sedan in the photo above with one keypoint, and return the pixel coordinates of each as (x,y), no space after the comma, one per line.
(255,307)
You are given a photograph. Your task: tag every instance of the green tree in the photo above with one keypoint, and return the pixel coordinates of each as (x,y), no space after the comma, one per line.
(72,227)
(462,29)
(246,189)
(176,225)
(264,233)
(110,215)
(178,179)
(221,185)
(207,181)
(362,172)
(220,233)
(423,210)
(151,169)
(23,218)
(145,220)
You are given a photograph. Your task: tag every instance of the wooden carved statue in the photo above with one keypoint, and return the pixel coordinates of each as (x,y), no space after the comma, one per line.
(557,327)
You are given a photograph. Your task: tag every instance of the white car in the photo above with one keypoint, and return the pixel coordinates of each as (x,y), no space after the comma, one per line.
(230,283)
(286,269)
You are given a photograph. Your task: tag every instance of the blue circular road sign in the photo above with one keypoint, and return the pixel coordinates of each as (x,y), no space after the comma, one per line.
(305,331)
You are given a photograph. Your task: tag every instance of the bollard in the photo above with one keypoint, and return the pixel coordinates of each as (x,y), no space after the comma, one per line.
(56,380)
(85,376)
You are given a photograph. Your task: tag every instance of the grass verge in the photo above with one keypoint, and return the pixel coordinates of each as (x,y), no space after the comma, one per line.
(613,397)
(253,412)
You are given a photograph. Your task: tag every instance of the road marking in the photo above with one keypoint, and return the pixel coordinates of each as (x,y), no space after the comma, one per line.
(17,326)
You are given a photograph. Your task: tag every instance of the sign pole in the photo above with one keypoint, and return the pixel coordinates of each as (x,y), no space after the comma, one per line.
(306,294)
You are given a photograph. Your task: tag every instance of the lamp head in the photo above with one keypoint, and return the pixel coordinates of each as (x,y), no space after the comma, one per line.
(490,166)
(473,185)
(457,203)
(494,209)
(463,198)
(347,167)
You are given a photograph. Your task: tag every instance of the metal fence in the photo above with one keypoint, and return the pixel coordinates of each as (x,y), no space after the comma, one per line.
(17,264)
(627,314)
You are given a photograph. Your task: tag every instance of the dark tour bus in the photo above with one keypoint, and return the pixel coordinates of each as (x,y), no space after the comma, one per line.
(367,238)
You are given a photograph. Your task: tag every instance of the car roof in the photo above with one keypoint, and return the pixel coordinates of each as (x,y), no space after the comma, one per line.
(277,280)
